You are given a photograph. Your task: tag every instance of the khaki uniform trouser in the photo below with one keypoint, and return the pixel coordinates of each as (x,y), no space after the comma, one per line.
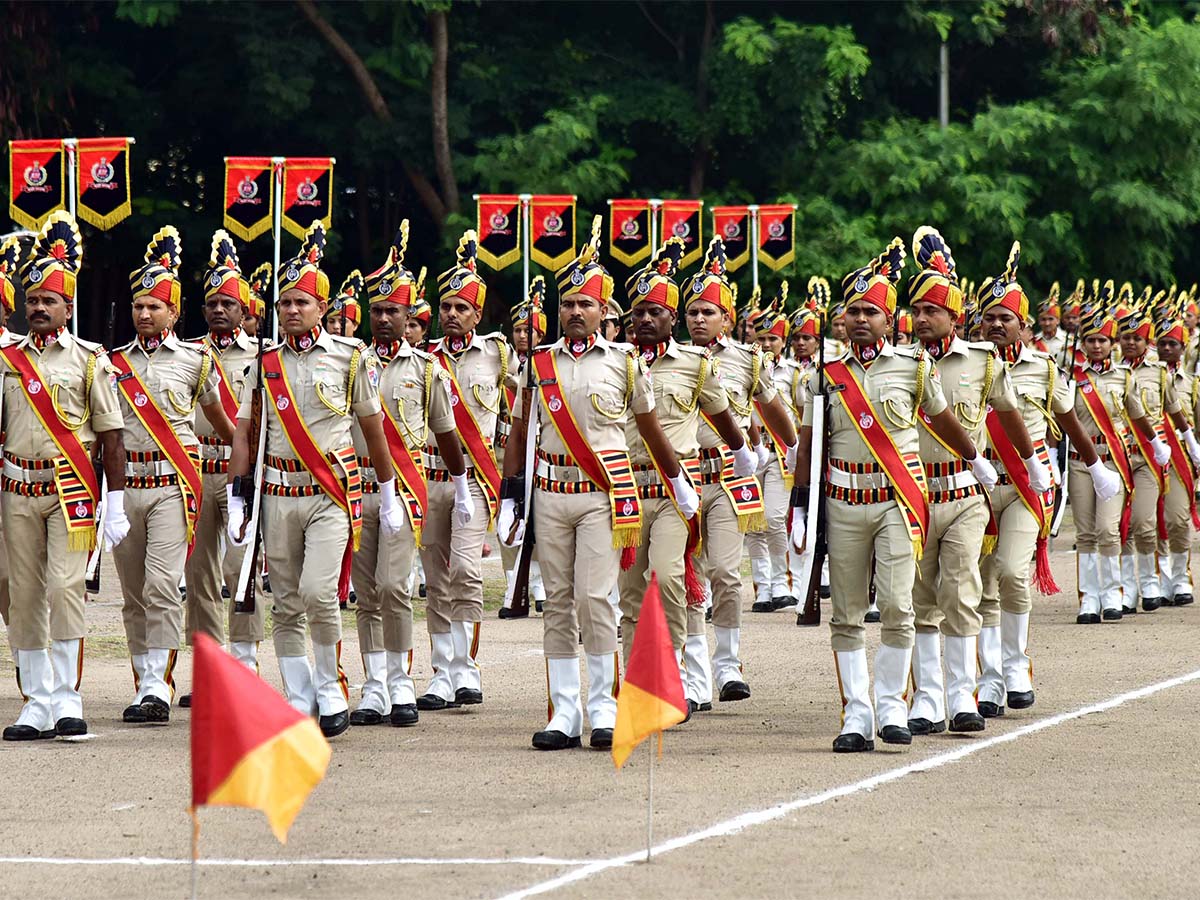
(1097,522)
(948,586)
(453,558)
(664,537)
(1006,570)
(150,564)
(305,539)
(774,541)
(720,562)
(858,532)
(215,561)
(45,580)
(1177,510)
(4,591)
(1143,525)
(579,568)
(380,572)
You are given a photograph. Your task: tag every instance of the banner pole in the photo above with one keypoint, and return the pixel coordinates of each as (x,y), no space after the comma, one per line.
(654,207)
(72,161)
(754,242)
(524,226)
(278,162)
(650,798)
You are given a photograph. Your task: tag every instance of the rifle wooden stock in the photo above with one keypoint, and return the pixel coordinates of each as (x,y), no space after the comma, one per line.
(520,596)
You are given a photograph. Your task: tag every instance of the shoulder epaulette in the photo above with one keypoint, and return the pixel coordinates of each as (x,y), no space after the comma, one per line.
(693,349)
(352,342)
(986,346)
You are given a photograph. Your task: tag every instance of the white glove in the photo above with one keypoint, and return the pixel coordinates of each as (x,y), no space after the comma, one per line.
(760,450)
(686,497)
(1105,482)
(505,522)
(799,515)
(1162,451)
(1193,446)
(391,513)
(1055,476)
(116,524)
(745,461)
(790,458)
(464,506)
(984,471)
(237,518)
(1039,474)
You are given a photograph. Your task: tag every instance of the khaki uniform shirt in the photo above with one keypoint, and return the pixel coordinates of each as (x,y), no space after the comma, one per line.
(601,388)
(891,385)
(403,392)
(1042,391)
(324,391)
(64,367)
(1155,389)
(964,371)
(803,374)
(742,373)
(685,382)
(481,370)
(1187,389)
(1117,390)
(237,360)
(179,376)
(1054,342)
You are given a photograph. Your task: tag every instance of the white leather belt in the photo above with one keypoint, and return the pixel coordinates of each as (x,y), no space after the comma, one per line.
(435,461)
(367,473)
(649,476)
(29,476)
(504,428)
(155,468)
(287,479)
(858,481)
(712,466)
(944,483)
(215,451)
(543,469)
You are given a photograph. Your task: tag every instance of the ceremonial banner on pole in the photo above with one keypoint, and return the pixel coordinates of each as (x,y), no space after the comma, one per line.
(681,219)
(552,226)
(498,224)
(776,235)
(103,184)
(307,193)
(732,225)
(629,231)
(248,195)
(36,177)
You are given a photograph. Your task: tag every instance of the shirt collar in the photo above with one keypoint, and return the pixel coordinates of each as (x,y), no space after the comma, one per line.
(149,345)
(40,343)
(302,343)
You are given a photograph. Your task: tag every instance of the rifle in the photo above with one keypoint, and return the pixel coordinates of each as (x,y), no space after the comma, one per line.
(816,520)
(520,597)
(92,573)
(1064,448)
(249,486)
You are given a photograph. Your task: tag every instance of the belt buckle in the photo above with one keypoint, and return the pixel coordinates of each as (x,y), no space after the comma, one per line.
(368,473)
(296,479)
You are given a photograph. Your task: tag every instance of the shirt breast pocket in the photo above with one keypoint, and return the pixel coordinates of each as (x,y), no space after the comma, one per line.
(331,390)
(607,401)
(176,394)
(677,402)
(484,389)
(897,404)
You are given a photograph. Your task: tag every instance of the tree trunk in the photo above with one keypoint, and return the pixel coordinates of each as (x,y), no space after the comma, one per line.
(700,156)
(441,117)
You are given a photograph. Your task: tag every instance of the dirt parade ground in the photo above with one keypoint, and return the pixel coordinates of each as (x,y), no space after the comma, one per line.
(1094,792)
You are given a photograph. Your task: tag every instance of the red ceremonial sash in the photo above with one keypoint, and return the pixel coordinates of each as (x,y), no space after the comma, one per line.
(347,496)
(163,433)
(1039,505)
(1182,466)
(478,448)
(909,483)
(608,470)
(690,468)
(744,494)
(225,389)
(778,441)
(409,473)
(1116,446)
(74,478)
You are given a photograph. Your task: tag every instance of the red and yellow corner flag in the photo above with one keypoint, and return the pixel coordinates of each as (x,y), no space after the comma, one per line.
(651,697)
(249,747)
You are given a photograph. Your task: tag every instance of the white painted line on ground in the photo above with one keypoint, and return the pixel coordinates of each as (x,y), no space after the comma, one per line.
(761,817)
(150,861)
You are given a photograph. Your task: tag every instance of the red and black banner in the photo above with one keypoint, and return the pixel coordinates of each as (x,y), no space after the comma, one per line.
(552,230)
(629,231)
(681,219)
(103,197)
(36,179)
(732,225)
(776,235)
(307,193)
(249,195)
(498,224)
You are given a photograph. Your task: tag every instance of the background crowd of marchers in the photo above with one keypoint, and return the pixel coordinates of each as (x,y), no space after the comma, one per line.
(1074,125)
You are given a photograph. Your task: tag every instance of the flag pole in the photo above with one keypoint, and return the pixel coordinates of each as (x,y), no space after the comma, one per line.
(654,207)
(650,798)
(277,230)
(72,161)
(754,244)
(524,225)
